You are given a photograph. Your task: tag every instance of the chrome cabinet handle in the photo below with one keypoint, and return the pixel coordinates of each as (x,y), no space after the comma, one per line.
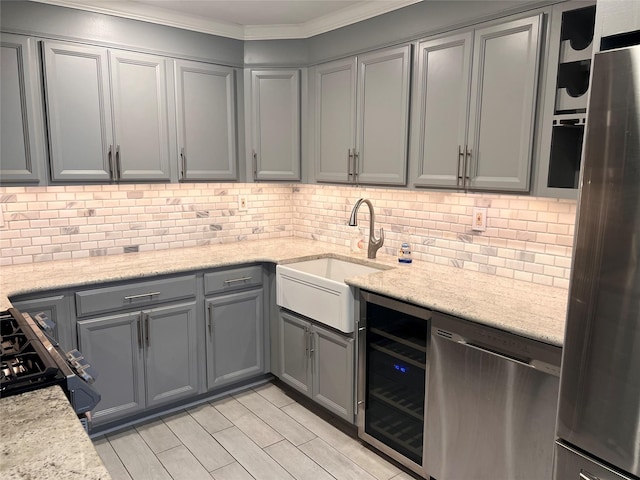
(306,342)
(148,329)
(210,318)
(312,343)
(356,163)
(117,162)
(349,163)
(461,156)
(255,165)
(110,160)
(467,164)
(237,280)
(139,327)
(141,295)
(183,164)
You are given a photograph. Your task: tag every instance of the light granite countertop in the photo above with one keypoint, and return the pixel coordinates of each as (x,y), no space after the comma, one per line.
(531,310)
(43,439)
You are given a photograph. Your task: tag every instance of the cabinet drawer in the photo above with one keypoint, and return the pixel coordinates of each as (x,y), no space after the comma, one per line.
(134,295)
(233,279)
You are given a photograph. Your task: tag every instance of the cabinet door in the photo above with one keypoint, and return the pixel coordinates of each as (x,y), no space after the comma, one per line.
(21,141)
(171,363)
(235,347)
(333,372)
(56,307)
(503,100)
(295,345)
(78,111)
(275,114)
(206,121)
(442,107)
(335,129)
(139,89)
(113,347)
(383,111)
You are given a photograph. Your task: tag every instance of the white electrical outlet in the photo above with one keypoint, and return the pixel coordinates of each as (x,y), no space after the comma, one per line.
(2,224)
(479,220)
(242,203)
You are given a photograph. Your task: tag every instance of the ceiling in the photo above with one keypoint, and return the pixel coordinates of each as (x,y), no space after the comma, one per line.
(244,19)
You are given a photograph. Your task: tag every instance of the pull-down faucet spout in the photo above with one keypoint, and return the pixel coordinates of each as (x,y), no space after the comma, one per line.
(374,243)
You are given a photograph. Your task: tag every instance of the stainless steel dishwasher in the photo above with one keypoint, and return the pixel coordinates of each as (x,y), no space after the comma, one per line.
(491,405)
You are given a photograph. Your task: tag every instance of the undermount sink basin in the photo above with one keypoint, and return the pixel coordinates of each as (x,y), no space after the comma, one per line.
(316,289)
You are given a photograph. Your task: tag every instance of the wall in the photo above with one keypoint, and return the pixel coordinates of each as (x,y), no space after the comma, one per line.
(55,223)
(526,238)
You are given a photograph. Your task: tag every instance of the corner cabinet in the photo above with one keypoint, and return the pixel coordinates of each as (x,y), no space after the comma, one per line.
(206,119)
(318,363)
(275,124)
(83,86)
(362,118)
(22,145)
(475,107)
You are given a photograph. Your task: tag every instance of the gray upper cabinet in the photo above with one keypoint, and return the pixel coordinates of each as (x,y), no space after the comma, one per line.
(139,92)
(22,137)
(362,118)
(502,107)
(205,96)
(275,124)
(383,116)
(442,106)
(78,111)
(475,107)
(335,104)
(93,138)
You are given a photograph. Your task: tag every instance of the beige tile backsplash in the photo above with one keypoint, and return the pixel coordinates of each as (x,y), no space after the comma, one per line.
(526,238)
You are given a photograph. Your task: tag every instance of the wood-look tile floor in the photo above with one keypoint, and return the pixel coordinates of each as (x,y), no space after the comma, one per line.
(260,434)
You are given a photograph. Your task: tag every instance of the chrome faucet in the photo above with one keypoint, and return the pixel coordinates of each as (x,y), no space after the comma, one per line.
(374,243)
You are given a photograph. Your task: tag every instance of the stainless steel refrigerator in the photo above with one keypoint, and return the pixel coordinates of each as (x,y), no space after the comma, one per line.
(598,425)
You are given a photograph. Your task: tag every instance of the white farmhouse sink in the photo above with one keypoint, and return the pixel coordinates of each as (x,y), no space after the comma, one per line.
(316,289)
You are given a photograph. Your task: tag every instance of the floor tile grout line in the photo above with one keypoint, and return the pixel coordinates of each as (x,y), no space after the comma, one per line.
(133,429)
(189,450)
(121,462)
(303,453)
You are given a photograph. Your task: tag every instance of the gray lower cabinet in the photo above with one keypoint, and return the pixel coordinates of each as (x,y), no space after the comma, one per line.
(362,118)
(57,308)
(22,150)
(107,114)
(275,124)
(475,107)
(205,96)
(318,363)
(142,359)
(235,337)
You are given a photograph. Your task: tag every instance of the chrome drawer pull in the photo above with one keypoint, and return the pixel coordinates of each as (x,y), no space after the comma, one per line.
(236,280)
(142,295)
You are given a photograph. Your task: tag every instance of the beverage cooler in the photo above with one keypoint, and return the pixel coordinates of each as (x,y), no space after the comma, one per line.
(393,342)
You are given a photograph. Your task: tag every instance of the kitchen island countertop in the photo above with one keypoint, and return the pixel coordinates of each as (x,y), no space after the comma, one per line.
(527,309)
(42,438)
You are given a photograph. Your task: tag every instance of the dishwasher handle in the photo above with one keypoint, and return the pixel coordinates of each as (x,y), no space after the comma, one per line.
(496,352)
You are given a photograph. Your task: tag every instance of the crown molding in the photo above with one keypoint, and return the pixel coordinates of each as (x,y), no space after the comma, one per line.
(161,16)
